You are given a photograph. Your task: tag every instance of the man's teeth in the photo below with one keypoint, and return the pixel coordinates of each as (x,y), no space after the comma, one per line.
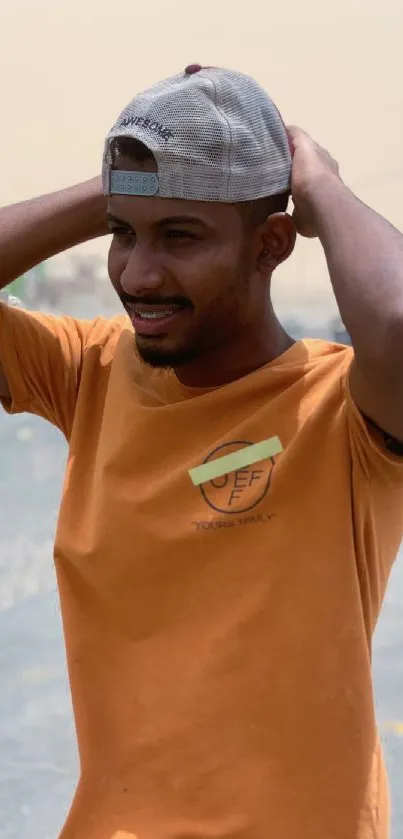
(162,313)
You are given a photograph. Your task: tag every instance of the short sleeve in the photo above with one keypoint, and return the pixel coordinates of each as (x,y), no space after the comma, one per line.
(42,358)
(378,464)
(377,490)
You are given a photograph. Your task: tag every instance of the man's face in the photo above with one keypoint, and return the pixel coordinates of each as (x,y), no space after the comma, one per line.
(183,270)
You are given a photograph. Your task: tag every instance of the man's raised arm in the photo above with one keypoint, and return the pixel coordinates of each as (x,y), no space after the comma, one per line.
(35,230)
(364,254)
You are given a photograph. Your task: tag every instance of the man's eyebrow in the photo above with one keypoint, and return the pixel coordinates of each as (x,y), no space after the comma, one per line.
(180,219)
(116,220)
(183,219)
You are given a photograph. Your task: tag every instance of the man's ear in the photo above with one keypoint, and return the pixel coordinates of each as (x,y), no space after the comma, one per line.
(277,237)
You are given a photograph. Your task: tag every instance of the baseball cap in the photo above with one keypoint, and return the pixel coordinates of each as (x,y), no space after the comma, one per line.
(215,134)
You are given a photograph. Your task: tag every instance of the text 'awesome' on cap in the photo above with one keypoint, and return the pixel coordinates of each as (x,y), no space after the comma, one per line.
(215,135)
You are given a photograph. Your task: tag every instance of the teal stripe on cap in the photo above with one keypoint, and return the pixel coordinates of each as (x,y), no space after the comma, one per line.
(237,460)
(133,183)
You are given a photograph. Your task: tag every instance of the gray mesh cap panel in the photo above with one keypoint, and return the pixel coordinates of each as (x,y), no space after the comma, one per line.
(215,134)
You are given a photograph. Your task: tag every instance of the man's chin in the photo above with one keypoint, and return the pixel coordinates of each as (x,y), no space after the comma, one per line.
(156,355)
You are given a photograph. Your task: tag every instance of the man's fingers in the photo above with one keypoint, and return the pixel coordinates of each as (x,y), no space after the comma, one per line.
(295,132)
(301,228)
(297,136)
(292,133)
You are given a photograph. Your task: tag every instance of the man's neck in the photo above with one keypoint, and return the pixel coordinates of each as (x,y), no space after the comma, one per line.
(236,359)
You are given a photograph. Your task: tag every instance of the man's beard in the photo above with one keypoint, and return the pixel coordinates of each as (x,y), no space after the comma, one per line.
(159,357)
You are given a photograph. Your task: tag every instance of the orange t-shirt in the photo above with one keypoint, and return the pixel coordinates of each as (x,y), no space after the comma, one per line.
(218,637)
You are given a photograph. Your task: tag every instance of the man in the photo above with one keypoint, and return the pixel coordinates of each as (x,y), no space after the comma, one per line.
(233,501)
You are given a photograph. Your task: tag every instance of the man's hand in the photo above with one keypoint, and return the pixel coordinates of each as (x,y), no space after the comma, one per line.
(311,166)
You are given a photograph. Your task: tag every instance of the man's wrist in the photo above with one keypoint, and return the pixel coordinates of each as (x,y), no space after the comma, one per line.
(90,196)
(323,186)
(320,198)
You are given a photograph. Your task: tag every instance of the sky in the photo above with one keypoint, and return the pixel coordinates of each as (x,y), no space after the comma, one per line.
(334,67)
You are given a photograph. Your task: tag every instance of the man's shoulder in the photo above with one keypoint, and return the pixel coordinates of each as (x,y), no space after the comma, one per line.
(314,360)
(333,361)
(323,363)
(105,332)
(102,336)
(321,350)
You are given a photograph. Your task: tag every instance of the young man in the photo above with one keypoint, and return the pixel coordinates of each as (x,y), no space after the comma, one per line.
(233,501)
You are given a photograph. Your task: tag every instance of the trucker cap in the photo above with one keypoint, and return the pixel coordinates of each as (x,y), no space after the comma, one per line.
(215,135)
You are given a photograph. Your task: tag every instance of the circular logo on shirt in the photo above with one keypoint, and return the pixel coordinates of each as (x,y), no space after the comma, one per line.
(240,490)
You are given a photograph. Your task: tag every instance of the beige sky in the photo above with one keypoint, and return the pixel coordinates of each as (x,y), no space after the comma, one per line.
(336,68)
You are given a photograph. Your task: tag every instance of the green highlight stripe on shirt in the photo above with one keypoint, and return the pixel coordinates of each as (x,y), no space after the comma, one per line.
(237,460)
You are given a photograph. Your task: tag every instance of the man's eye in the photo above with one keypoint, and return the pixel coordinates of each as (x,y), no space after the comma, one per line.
(121,232)
(180,234)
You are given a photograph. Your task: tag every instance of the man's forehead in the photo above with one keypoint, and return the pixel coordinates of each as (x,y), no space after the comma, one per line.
(155,210)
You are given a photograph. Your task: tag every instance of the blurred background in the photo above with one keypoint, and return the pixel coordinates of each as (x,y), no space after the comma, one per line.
(67,69)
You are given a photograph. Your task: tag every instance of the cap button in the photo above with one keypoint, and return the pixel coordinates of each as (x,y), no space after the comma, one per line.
(193,68)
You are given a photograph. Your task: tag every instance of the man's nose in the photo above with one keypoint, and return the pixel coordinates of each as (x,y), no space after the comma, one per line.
(143,271)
